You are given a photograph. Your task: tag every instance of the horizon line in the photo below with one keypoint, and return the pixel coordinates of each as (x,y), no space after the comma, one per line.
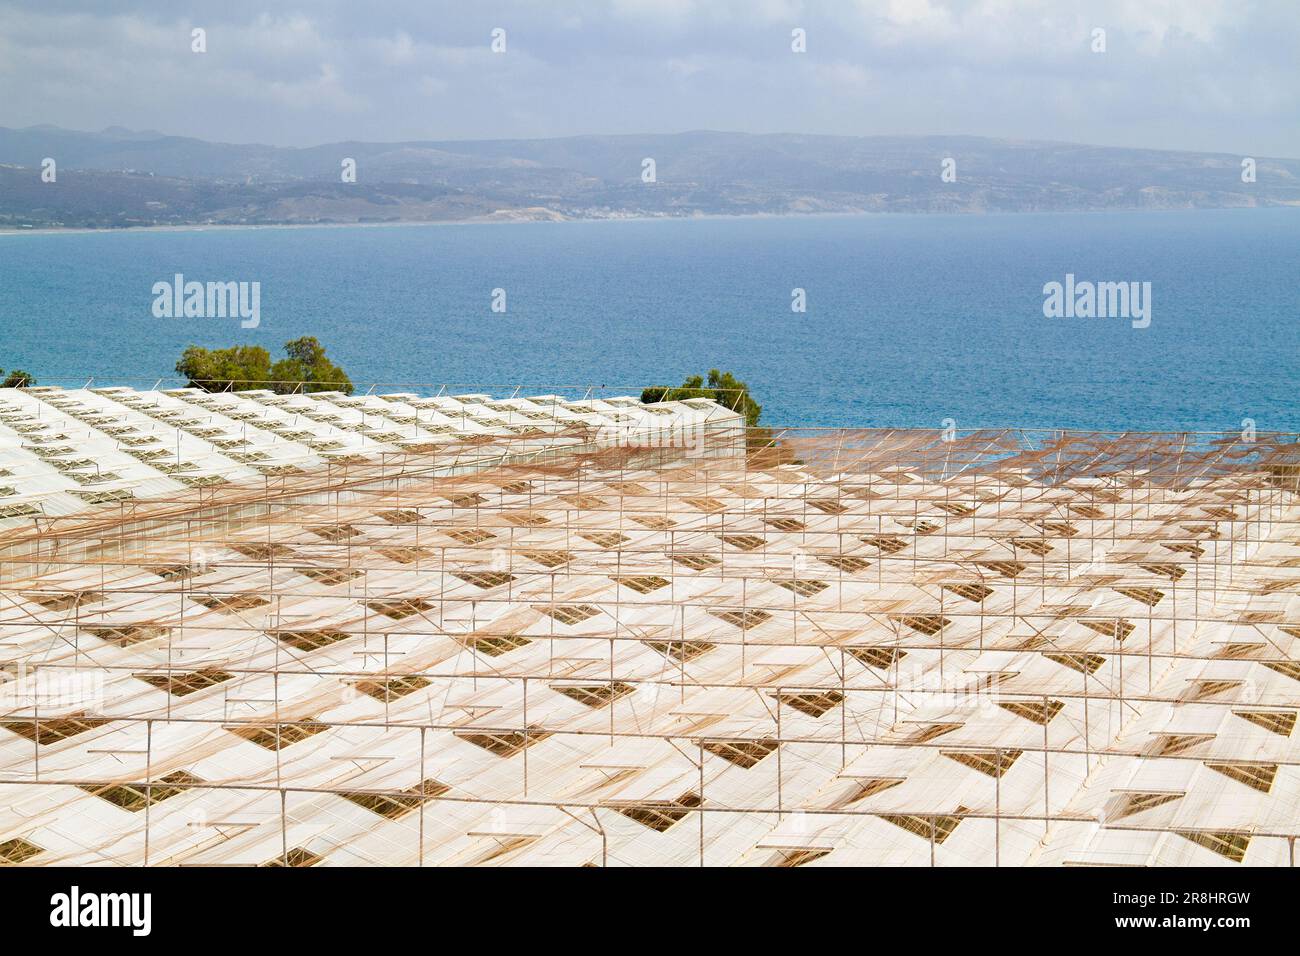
(159,135)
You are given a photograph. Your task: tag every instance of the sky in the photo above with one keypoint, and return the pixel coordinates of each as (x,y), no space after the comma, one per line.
(1196,74)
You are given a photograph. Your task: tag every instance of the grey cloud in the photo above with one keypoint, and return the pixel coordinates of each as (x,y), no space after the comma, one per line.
(1196,75)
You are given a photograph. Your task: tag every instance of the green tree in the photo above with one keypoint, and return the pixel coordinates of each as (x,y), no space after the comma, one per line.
(244,367)
(17,379)
(722,387)
(218,370)
(307,365)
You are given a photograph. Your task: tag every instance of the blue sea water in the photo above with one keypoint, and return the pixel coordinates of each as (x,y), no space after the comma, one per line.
(910,319)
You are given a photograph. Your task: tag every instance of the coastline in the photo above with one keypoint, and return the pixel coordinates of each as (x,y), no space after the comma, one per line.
(489,221)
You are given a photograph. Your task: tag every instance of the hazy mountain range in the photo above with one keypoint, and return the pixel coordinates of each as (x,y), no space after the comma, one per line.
(119,178)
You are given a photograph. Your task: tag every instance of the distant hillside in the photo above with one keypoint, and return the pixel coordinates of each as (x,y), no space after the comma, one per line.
(118,178)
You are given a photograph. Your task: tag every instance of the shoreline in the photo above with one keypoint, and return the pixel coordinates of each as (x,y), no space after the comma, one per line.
(487,221)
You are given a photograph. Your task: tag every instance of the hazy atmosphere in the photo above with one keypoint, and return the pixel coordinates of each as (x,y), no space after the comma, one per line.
(1209,76)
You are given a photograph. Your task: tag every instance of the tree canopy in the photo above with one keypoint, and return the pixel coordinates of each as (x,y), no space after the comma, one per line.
(242,367)
(17,379)
(722,387)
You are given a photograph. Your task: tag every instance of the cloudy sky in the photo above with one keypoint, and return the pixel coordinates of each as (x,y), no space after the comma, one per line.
(1178,74)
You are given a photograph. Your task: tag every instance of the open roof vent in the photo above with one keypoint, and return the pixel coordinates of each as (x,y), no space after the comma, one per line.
(743,753)
(136,796)
(937,828)
(394,805)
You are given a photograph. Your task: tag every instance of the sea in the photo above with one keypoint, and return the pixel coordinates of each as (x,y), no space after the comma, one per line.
(867,321)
